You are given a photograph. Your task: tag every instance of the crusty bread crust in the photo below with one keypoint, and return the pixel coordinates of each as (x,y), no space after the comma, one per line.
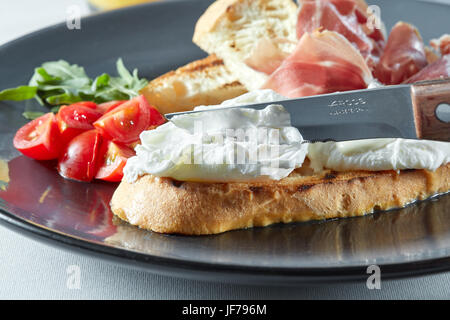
(168,206)
(211,17)
(232,29)
(202,82)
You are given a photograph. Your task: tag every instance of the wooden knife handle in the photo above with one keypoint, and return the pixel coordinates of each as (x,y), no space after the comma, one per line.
(426,98)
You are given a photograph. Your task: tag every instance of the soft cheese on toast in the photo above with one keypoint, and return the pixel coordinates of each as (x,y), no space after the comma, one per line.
(202,82)
(186,179)
(170,206)
(238,31)
(166,196)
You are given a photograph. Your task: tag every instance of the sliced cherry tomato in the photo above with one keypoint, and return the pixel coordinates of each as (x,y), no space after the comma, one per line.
(88,104)
(126,122)
(76,118)
(108,106)
(39,139)
(115,157)
(80,158)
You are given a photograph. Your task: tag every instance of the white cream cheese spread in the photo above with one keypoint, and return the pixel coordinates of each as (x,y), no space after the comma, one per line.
(252,97)
(225,145)
(379,154)
(234,144)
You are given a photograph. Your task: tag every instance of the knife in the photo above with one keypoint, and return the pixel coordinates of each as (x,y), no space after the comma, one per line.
(418,111)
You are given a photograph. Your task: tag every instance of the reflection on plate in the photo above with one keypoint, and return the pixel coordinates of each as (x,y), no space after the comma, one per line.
(411,232)
(82,210)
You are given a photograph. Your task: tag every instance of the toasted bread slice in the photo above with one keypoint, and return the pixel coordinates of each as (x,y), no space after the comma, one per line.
(202,82)
(169,206)
(233,29)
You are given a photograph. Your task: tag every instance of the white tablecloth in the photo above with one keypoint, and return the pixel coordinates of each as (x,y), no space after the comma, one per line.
(31,270)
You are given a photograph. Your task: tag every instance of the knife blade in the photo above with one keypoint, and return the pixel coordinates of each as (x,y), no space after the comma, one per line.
(402,111)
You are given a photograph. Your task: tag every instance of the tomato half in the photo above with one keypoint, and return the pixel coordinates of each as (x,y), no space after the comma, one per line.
(39,139)
(88,104)
(75,119)
(125,123)
(80,158)
(114,158)
(108,106)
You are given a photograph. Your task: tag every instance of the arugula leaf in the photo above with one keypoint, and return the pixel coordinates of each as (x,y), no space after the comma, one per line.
(19,93)
(42,76)
(57,82)
(124,87)
(63,98)
(123,72)
(58,70)
(55,109)
(31,115)
(100,82)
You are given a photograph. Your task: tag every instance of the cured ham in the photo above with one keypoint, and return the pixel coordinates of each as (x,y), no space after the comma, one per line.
(403,57)
(442,44)
(437,70)
(267,56)
(431,55)
(338,50)
(346,17)
(322,62)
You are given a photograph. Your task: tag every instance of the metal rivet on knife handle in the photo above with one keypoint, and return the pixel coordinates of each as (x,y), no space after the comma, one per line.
(426,97)
(443,112)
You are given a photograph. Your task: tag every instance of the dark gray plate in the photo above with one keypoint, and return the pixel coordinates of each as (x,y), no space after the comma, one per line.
(156,38)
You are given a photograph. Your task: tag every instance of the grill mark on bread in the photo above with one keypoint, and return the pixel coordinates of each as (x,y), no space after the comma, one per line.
(331,175)
(255,189)
(304,187)
(246,22)
(202,82)
(196,66)
(177,183)
(208,62)
(232,84)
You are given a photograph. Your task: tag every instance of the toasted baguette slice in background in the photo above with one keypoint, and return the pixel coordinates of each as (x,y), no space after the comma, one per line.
(202,82)
(234,29)
(169,206)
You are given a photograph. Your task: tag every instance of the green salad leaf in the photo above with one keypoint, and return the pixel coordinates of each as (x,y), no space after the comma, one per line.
(56,83)
(31,115)
(19,93)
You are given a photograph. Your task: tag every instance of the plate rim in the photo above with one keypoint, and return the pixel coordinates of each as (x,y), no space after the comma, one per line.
(233,273)
(211,271)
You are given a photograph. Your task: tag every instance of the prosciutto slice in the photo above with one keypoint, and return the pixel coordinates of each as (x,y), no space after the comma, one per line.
(267,56)
(432,56)
(437,70)
(442,44)
(322,62)
(403,57)
(346,17)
